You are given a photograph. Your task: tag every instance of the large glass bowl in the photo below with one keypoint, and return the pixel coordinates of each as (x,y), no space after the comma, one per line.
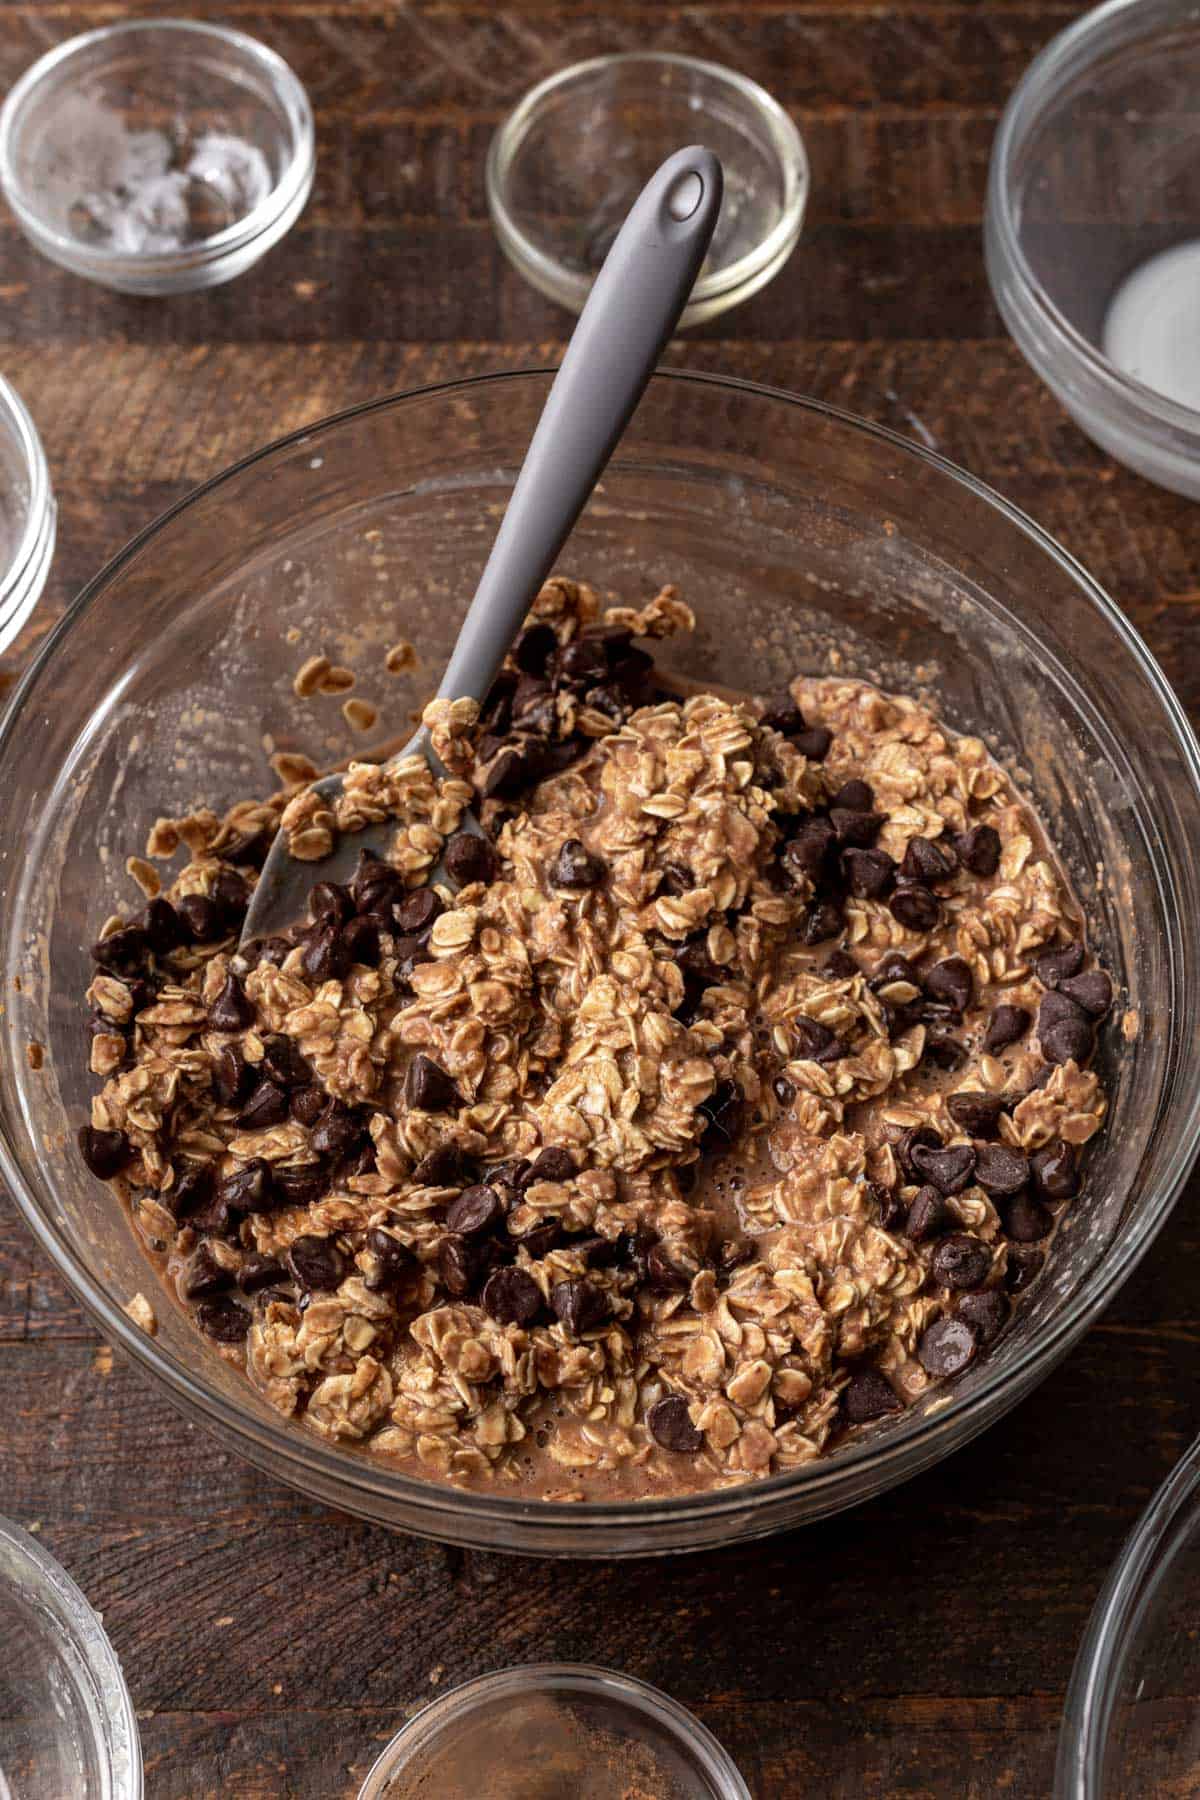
(799,535)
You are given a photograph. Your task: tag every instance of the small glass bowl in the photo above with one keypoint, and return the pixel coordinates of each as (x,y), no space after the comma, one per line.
(157,156)
(1131,1724)
(567,164)
(1094,173)
(68,1721)
(27,515)
(582,1733)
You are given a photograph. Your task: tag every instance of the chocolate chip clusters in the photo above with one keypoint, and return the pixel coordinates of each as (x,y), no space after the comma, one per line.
(714,1103)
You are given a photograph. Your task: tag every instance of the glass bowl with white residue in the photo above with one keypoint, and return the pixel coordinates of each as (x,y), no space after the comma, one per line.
(157,156)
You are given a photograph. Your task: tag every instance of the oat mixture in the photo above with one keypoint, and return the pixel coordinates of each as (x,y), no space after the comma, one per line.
(712,1107)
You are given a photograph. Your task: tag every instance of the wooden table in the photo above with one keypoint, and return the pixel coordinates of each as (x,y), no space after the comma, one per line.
(921,1645)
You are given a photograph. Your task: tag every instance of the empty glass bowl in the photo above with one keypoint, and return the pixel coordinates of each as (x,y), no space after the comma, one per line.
(1093,230)
(560,1731)
(799,535)
(27,515)
(157,155)
(1131,1726)
(67,1727)
(565,167)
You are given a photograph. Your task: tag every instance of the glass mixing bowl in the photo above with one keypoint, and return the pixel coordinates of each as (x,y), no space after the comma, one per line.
(799,534)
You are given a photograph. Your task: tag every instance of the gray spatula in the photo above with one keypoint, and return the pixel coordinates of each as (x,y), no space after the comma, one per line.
(630,314)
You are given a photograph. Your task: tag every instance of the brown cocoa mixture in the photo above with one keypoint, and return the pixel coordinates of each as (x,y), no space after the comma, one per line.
(713,1107)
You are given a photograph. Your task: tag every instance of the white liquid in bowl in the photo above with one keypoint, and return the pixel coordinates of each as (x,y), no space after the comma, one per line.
(1152,329)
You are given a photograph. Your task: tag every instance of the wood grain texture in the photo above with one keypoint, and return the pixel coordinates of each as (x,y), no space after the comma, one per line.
(921,1645)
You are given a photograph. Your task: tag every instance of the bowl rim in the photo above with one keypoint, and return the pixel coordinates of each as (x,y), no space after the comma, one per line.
(1109,1635)
(1067,53)
(261,218)
(365,1477)
(15,413)
(553,276)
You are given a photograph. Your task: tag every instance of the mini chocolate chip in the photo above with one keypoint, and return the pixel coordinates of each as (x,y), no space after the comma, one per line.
(665,1276)
(329,904)
(671,1426)
(985,1312)
(231,1010)
(338,1131)
(1091,989)
(1054,1173)
(842,966)
(951,981)
(856,829)
(854,796)
(976,1114)
(869,873)
(815,1042)
(375,884)
(163,927)
(361,940)
(428,1087)
(810,851)
(258,1272)
(204,1276)
(576,867)
(1007,1025)
(1022,1266)
(911,1140)
(246,1189)
(780,713)
(979,849)
(192,1189)
(461,1264)
(1065,1031)
(1025,1219)
(231,897)
(418,910)
(961,1261)
(308,1103)
(536,644)
(325,956)
(104,1152)
(442,1167)
(722,1113)
(551,1164)
(783,1090)
(393,1260)
(869,1395)
(950,1170)
(927,861)
(201,918)
(947,1346)
(474,1211)
(823,918)
(1054,966)
(224,1320)
(999,1169)
(579,1305)
(267,1105)
(469,857)
(928,1216)
(316,1262)
(512,1297)
(122,952)
(813,743)
(916,908)
(283,1062)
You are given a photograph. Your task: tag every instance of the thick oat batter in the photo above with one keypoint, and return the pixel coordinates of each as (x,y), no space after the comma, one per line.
(715,1108)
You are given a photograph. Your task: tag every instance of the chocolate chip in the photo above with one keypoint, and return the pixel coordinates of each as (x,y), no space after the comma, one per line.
(869,873)
(551,1164)
(201,918)
(224,1320)
(928,1216)
(546,1236)
(813,743)
(780,713)
(231,897)
(245,1189)
(361,940)
(823,918)
(942,1048)
(308,1103)
(985,1312)
(249,850)
(999,1169)
(428,1087)
(916,908)
(326,957)
(1054,1173)
(393,1260)
(722,1113)
(926,861)
(231,1010)
(163,927)
(856,829)
(842,966)
(606,700)
(316,1262)
(664,1275)
(579,1305)
(469,857)
(633,1249)
(1007,1025)
(854,796)
(949,1170)
(409,951)
(810,851)
(869,1395)
(951,981)
(511,771)
(979,849)
(783,1090)
(947,1346)
(375,884)
(976,1114)
(961,1261)
(888,1202)
(675,880)
(283,1062)
(1065,1031)
(204,1276)
(258,1272)
(461,1264)
(418,910)
(697,964)
(442,1167)
(273,950)
(266,1106)
(576,867)
(1091,989)
(192,1189)
(121,952)
(1022,1266)
(893,967)
(104,1152)
(329,904)
(1026,1219)
(512,1297)
(916,1137)
(475,1211)
(536,644)
(815,1042)
(1054,966)
(338,1131)
(671,1426)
